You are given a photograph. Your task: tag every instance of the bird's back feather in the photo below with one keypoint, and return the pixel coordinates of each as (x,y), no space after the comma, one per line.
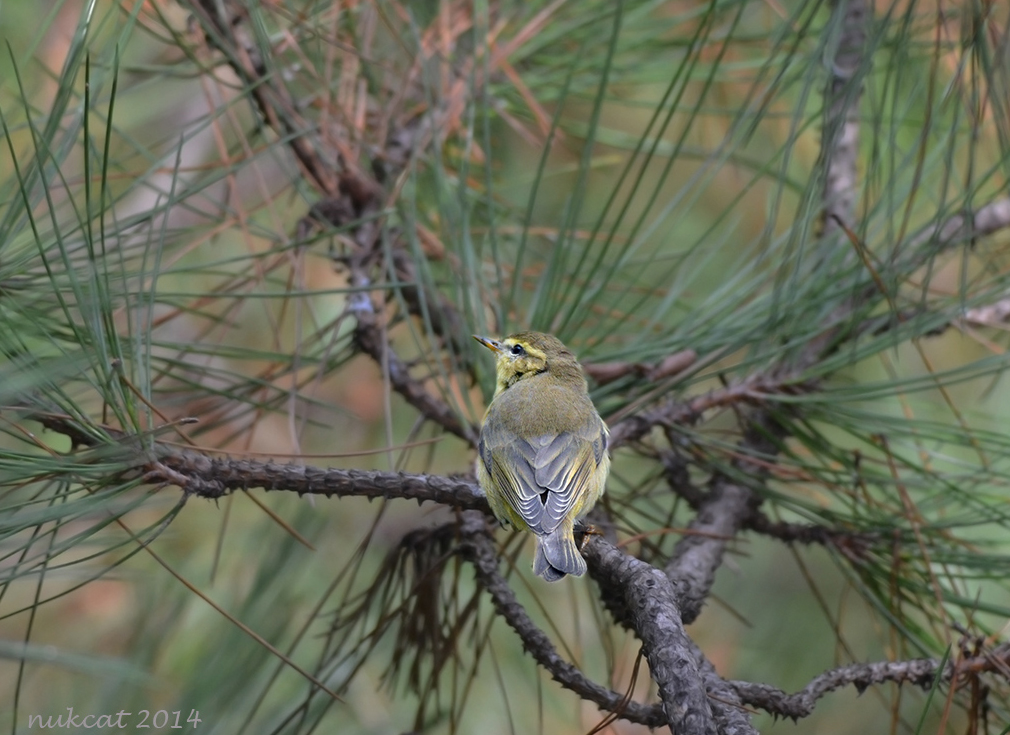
(542,456)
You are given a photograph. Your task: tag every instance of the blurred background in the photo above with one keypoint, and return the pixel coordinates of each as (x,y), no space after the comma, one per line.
(640,178)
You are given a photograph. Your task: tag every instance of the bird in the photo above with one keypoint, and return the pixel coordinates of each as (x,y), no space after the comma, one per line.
(542,454)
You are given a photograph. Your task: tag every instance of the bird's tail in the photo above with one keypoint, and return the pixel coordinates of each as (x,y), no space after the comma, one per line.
(557,555)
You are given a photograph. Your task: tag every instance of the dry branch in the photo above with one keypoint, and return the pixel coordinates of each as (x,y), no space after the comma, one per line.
(920,672)
(650,602)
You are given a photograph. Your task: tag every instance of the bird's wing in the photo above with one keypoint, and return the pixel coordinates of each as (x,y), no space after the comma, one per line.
(566,464)
(542,478)
(509,463)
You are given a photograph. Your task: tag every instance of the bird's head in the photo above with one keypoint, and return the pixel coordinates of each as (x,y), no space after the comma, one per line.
(526,354)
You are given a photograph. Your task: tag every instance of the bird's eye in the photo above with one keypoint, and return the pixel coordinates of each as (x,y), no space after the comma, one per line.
(517,350)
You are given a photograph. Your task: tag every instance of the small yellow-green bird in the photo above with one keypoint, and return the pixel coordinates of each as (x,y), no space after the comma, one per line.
(543,460)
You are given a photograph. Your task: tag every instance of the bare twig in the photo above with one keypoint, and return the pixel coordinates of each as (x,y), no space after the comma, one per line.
(369,339)
(752,390)
(606,372)
(920,672)
(210,477)
(801,704)
(853,544)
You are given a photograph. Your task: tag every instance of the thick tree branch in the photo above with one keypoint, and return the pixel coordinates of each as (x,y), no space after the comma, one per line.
(731,716)
(651,605)
(196,473)
(209,477)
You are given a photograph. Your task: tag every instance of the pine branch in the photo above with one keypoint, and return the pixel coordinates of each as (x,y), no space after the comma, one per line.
(920,672)
(479,549)
(698,554)
(969,226)
(650,602)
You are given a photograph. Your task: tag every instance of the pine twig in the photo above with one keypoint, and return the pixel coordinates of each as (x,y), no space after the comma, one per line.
(920,672)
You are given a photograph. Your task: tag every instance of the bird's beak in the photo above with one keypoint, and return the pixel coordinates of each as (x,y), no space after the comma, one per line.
(492,344)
